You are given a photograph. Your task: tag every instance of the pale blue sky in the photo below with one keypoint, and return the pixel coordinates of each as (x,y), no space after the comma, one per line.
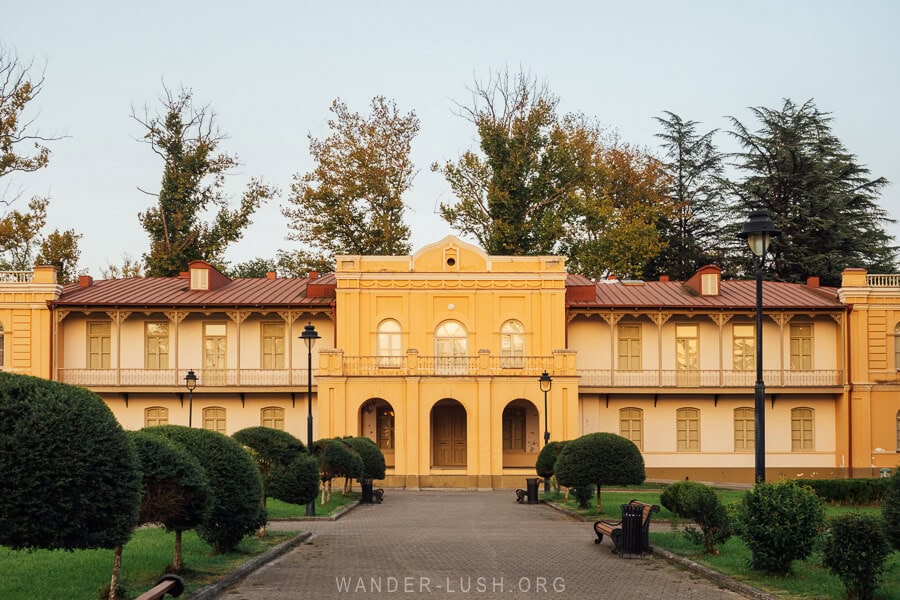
(271,69)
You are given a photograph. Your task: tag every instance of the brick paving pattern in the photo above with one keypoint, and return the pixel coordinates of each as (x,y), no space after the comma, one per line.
(453,544)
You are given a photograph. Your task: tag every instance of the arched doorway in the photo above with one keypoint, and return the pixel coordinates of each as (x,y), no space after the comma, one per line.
(448,435)
(521,438)
(376,422)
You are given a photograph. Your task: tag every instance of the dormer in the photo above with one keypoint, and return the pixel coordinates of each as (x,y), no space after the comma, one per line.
(204,277)
(705,281)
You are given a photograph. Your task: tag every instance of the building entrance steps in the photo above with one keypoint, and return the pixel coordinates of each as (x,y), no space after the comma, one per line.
(434,544)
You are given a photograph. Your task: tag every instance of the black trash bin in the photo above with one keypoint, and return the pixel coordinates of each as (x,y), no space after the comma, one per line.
(632,529)
(367,497)
(532,490)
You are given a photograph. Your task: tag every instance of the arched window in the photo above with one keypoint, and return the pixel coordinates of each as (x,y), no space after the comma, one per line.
(802,430)
(156,415)
(272,417)
(631,425)
(451,347)
(512,345)
(390,344)
(688,429)
(744,429)
(897,347)
(2,345)
(214,419)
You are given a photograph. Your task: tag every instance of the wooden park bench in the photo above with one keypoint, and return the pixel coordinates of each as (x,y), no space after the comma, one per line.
(617,535)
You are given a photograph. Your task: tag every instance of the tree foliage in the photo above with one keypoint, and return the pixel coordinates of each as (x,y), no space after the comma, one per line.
(818,195)
(855,550)
(129,267)
(372,458)
(186,137)
(600,459)
(235,487)
(297,481)
(70,477)
(692,236)
(890,508)
(546,459)
(269,447)
(613,214)
(509,196)
(60,249)
(352,201)
(17,89)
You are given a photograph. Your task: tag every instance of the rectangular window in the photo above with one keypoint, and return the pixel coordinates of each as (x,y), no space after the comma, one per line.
(199,279)
(744,344)
(273,418)
(709,284)
(629,347)
(802,431)
(99,345)
(272,336)
(688,429)
(801,347)
(631,426)
(744,430)
(156,345)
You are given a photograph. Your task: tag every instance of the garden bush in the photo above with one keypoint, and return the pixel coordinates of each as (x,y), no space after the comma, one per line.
(673,495)
(855,550)
(296,482)
(235,502)
(372,458)
(856,492)
(779,522)
(269,447)
(338,459)
(890,509)
(547,459)
(701,505)
(174,487)
(69,476)
(599,459)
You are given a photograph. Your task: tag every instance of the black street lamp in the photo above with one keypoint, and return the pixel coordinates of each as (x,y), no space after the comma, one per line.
(309,337)
(190,380)
(759,231)
(546,383)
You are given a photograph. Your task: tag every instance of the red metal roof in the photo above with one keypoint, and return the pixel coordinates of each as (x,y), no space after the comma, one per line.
(175,291)
(735,294)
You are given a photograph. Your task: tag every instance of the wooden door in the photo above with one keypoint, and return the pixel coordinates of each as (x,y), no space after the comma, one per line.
(449,433)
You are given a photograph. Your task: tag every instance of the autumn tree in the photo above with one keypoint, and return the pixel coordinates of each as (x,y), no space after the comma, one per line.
(611,218)
(509,195)
(352,201)
(693,235)
(185,136)
(824,202)
(129,267)
(60,249)
(22,150)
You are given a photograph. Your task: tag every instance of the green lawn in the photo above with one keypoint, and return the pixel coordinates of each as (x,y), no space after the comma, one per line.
(79,575)
(276,509)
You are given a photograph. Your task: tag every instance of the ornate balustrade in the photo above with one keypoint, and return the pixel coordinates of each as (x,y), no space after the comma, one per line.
(175,377)
(16,276)
(707,378)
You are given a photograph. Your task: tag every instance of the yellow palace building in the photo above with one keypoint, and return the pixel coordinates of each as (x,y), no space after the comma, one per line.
(437,357)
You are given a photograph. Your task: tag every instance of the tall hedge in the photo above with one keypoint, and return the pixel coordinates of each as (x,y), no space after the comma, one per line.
(372,458)
(69,476)
(890,508)
(600,459)
(235,503)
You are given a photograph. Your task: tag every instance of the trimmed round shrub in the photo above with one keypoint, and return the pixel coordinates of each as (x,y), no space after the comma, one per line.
(856,549)
(269,447)
(779,522)
(372,458)
(547,459)
(599,459)
(174,487)
(583,495)
(890,509)
(235,499)
(296,482)
(338,459)
(69,476)
(673,496)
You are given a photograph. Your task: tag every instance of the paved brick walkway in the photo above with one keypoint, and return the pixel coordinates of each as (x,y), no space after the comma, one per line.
(457,544)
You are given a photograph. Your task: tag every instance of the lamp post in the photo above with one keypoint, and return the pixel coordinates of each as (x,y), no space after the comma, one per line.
(546,383)
(190,380)
(309,337)
(758,231)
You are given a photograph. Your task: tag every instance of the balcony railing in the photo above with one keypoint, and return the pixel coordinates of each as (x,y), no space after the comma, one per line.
(484,364)
(876,280)
(16,276)
(175,377)
(708,378)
